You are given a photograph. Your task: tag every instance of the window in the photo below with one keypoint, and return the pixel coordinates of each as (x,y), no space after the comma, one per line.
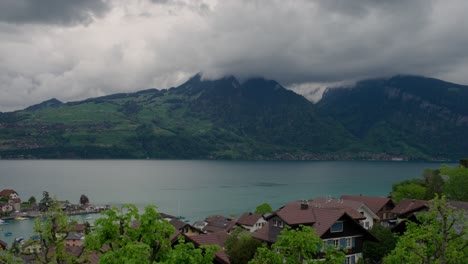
(349,242)
(350,260)
(280,223)
(337,227)
(336,242)
(367,225)
(275,222)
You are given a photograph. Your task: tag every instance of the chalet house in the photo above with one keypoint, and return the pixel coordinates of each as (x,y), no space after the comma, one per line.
(370,216)
(181,225)
(13,198)
(407,210)
(381,206)
(218,238)
(251,221)
(334,226)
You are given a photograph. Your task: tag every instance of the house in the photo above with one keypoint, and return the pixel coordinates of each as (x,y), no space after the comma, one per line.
(407,210)
(381,206)
(329,202)
(75,239)
(251,221)
(218,238)
(181,225)
(13,198)
(408,207)
(336,226)
(219,223)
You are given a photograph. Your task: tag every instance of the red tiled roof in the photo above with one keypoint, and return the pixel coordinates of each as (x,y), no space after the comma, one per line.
(292,214)
(209,239)
(7,192)
(248,219)
(325,218)
(212,239)
(349,206)
(375,203)
(218,223)
(264,234)
(410,205)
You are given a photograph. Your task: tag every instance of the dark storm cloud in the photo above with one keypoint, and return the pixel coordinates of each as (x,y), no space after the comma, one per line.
(63,12)
(306,45)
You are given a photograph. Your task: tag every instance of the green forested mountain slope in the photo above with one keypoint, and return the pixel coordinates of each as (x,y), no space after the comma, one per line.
(413,117)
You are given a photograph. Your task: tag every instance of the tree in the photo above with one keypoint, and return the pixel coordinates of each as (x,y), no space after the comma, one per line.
(263,209)
(187,253)
(126,236)
(8,257)
(241,247)
(375,251)
(52,228)
(84,200)
(440,238)
(410,191)
(45,202)
(32,200)
(457,182)
(297,246)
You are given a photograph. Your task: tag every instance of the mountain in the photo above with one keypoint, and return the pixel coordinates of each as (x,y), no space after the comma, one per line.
(201,119)
(404,116)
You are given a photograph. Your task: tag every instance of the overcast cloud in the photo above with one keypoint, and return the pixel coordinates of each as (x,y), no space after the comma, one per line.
(73,50)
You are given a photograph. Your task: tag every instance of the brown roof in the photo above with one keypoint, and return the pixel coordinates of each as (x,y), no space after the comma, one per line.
(212,239)
(7,192)
(407,206)
(375,203)
(265,234)
(218,223)
(294,214)
(248,219)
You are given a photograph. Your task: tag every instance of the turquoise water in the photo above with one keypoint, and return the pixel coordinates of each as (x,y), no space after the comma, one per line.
(197,189)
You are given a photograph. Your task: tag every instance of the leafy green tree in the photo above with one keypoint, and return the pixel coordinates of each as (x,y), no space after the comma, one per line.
(45,202)
(126,236)
(457,183)
(375,251)
(410,191)
(52,229)
(187,253)
(263,209)
(9,258)
(440,238)
(241,247)
(131,237)
(297,246)
(32,200)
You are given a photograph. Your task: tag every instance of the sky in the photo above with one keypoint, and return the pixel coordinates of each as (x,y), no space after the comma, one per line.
(72,50)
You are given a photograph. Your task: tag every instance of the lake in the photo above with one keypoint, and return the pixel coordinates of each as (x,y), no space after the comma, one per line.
(197,189)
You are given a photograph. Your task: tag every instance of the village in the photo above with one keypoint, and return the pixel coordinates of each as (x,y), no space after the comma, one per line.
(343,222)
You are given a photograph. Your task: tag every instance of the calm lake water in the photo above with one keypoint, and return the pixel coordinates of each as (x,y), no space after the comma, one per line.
(197,189)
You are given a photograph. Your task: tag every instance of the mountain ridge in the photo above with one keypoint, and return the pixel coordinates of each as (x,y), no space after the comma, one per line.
(256,119)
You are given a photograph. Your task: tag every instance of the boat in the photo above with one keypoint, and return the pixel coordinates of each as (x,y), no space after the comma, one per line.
(21,218)
(7,233)
(89,218)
